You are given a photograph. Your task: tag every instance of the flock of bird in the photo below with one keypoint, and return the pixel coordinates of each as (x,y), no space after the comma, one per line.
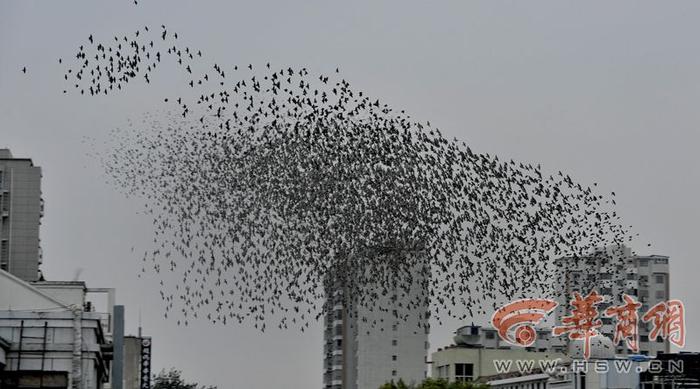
(275,186)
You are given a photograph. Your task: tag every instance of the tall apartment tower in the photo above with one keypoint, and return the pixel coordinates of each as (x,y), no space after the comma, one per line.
(21,209)
(366,347)
(613,271)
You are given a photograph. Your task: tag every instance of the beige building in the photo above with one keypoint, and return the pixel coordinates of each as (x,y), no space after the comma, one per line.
(462,363)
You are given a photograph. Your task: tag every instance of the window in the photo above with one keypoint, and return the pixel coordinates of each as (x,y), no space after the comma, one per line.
(659,278)
(443,371)
(490,335)
(393,357)
(643,338)
(4,251)
(394,327)
(643,262)
(660,294)
(660,340)
(394,342)
(393,373)
(464,372)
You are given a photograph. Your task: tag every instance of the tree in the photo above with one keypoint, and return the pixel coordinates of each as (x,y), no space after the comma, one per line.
(398,385)
(172,379)
(432,383)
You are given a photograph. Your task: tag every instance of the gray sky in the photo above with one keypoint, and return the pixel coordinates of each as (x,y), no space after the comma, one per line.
(605,91)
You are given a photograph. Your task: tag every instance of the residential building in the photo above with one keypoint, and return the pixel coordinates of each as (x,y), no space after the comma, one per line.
(21,209)
(612,272)
(367,346)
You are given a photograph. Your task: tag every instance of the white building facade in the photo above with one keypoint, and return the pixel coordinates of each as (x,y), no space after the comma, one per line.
(367,346)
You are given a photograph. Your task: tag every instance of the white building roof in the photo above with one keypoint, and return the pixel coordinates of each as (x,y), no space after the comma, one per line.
(18,295)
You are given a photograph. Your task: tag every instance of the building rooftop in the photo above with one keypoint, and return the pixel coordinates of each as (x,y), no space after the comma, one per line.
(60,283)
(6,155)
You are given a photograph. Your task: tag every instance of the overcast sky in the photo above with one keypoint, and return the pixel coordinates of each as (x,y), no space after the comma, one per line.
(606,91)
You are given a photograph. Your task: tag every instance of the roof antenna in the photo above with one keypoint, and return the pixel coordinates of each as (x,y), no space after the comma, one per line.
(78,272)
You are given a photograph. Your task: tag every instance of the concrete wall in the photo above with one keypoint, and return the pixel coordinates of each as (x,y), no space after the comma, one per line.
(16,294)
(67,292)
(132,362)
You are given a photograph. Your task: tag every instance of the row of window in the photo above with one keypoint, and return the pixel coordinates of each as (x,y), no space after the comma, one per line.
(645,261)
(463,371)
(658,278)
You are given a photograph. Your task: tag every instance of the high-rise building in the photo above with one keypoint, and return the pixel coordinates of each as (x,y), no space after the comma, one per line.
(613,271)
(21,209)
(365,347)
